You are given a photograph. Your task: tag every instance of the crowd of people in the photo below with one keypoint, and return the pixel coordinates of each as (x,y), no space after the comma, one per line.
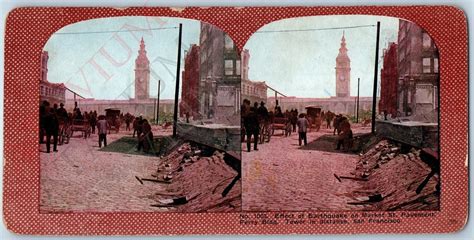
(251,117)
(54,120)
(256,117)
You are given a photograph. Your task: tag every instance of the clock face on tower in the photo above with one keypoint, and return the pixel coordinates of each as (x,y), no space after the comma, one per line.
(342,78)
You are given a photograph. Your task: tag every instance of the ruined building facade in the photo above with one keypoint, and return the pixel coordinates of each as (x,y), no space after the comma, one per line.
(418,70)
(389,81)
(220,76)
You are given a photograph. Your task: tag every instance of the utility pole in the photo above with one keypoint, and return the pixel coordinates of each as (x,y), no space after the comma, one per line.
(178,68)
(376,68)
(358,87)
(355,108)
(158,103)
(154,110)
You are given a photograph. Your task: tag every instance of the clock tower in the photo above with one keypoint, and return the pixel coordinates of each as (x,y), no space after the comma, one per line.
(343,71)
(142,73)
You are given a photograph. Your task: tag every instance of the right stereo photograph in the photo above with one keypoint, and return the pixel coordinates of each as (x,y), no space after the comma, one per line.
(340,113)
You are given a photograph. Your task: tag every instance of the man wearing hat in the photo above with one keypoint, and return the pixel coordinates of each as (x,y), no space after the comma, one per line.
(61,112)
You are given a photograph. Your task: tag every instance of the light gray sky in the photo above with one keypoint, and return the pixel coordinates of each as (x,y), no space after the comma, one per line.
(302,63)
(296,63)
(101,65)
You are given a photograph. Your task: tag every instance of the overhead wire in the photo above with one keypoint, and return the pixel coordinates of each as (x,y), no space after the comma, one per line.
(114,31)
(314,29)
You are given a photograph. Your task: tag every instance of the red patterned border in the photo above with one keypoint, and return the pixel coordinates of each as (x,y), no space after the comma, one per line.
(28,29)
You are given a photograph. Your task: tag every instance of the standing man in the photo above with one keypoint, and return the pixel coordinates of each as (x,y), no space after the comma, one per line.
(92,121)
(335,124)
(262,112)
(302,128)
(102,127)
(61,112)
(294,118)
(135,126)
(251,125)
(51,125)
(128,120)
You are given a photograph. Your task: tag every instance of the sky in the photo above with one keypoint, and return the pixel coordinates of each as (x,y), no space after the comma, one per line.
(302,63)
(96,58)
(101,65)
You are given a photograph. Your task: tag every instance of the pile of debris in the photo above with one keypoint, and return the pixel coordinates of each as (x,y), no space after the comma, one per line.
(396,177)
(197,178)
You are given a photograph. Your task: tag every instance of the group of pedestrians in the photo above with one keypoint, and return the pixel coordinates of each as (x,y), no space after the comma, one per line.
(256,117)
(49,125)
(253,119)
(52,119)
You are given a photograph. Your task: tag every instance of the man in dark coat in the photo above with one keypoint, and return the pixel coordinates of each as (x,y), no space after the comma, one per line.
(262,112)
(51,125)
(335,124)
(128,120)
(251,127)
(135,126)
(294,118)
(92,121)
(61,112)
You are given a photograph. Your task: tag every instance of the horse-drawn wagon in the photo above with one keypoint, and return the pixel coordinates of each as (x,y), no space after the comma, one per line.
(112,115)
(281,123)
(313,113)
(81,125)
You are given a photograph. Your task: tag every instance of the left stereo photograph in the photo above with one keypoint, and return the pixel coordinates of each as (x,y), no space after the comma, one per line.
(140,114)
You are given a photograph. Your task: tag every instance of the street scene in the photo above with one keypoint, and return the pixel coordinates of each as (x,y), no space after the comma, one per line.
(155,114)
(140,114)
(340,115)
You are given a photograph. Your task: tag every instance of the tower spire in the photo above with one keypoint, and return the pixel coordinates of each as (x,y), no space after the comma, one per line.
(142,73)
(343,68)
(343,49)
(142,59)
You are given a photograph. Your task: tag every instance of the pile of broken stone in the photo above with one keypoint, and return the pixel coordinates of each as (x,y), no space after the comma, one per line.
(394,180)
(196,180)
